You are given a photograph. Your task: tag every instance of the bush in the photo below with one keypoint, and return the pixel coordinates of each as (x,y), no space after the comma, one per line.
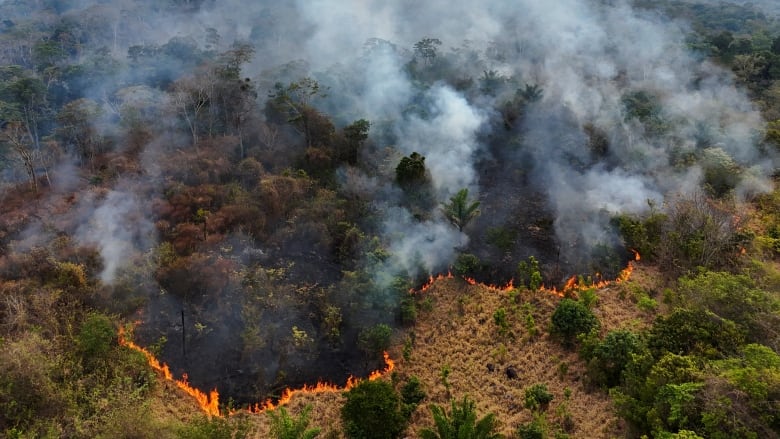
(734,297)
(611,356)
(467,265)
(373,411)
(461,423)
(499,317)
(215,428)
(571,319)
(375,340)
(284,426)
(412,394)
(96,337)
(536,429)
(537,397)
(698,332)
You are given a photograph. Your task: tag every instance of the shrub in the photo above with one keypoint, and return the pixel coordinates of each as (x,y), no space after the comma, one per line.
(375,340)
(537,397)
(536,429)
(699,332)
(96,337)
(467,265)
(412,395)
(461,423)
(372,411)
(215,428)
(571,319)
(611,356)
(499,317)
(284,426)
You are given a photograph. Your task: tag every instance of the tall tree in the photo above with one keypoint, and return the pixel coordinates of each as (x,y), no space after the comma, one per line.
(460,211)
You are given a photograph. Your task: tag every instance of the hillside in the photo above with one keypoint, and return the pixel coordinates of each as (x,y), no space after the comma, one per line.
(206,204)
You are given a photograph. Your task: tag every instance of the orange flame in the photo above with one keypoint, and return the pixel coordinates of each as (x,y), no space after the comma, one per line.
(572,285)
(321,387)
(208,403)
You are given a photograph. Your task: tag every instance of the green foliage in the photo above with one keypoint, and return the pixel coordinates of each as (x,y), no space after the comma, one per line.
(284,426)
(528,274)
(642,234)
(412,394)
(444,375)
(375,340)
(96,337)
(537,397)
(536,429)
(460,211)
(467,264)
(372,410)
(732,297)
(588,297)
(499,318)
(411,170)
(215,428)
(501,237)
(572,318)
(461,423)
(611,356)
(699,332)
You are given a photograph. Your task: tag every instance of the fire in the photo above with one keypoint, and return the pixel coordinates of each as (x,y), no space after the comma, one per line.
(322,387)
(572,285)
(208,403)
(431,281)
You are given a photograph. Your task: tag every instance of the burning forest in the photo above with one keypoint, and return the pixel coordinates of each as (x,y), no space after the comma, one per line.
(276,194)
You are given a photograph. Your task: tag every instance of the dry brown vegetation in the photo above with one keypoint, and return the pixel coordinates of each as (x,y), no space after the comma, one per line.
(459,333)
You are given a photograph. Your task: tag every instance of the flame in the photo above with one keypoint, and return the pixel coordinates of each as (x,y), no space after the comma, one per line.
(431,281)
(572,285)
(321,387)
(208,403)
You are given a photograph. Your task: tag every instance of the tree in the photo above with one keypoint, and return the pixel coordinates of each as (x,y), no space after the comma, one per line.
(76,128)
(22,99)
(355,134)
(610,357)
(411,170)
(427,49)
(373,411)
(462,423)
(284,426)
(18,139)
(375,340)
(572,318)
(537,397)
(459,210)
(294,103)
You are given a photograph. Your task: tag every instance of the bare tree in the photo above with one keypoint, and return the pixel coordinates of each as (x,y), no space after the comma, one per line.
(18,139)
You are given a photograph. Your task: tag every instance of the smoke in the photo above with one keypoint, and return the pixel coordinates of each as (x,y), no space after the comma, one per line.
(119,229)
(574,109)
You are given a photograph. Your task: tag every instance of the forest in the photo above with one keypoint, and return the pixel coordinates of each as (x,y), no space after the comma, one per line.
(339,219)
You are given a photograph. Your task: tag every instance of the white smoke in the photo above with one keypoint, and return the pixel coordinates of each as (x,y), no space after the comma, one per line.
(119,229)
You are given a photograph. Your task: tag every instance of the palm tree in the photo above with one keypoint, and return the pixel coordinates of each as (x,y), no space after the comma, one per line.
(284,426)
(462,423)
(459,211)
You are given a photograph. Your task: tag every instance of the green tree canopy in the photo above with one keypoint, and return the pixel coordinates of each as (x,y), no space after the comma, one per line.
(461,423)
(460,211)
(373,411)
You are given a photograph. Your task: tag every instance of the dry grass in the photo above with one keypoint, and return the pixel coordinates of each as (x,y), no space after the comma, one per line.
(460,333)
